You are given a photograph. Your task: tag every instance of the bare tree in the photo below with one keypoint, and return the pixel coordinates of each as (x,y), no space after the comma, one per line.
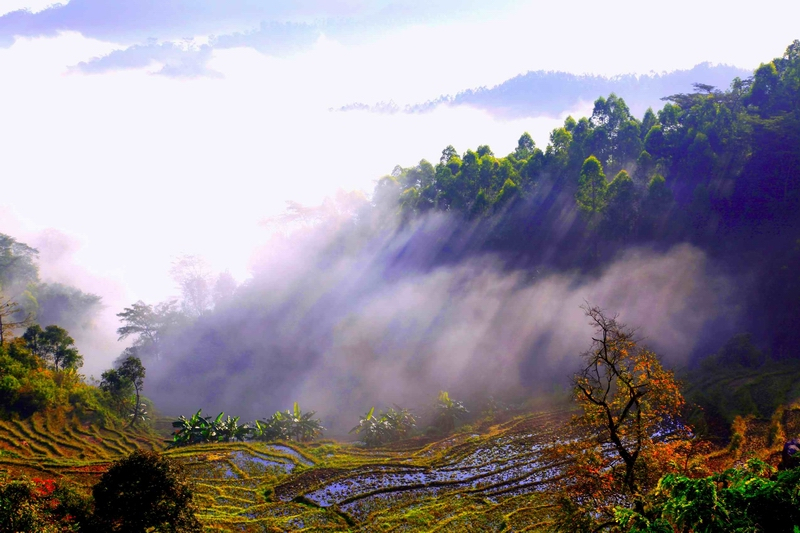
(11,319)
(626,398)
(194,277)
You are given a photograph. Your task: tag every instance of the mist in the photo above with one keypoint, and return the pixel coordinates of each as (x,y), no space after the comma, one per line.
(342,317)
(548,93)
(70,295)
(95,335)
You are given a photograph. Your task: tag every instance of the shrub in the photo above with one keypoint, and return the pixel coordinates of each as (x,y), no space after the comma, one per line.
(738,433)
(18,352)
(753,498)
(9,390)
(37,393)
(41,506)
(90,404)
(144,490)
(85,398)
(776,434)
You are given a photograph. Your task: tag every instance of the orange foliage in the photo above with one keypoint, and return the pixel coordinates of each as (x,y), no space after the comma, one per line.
(629,428)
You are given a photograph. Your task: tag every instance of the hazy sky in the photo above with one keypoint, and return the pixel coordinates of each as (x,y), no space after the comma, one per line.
(145,129)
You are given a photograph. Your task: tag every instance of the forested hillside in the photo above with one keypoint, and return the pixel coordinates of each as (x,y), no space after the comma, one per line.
(466,273)
(685,220)
(717,169)
(47,303)
(714,168)
(459,293)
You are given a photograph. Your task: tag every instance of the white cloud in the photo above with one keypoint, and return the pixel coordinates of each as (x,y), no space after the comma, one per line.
(144,168)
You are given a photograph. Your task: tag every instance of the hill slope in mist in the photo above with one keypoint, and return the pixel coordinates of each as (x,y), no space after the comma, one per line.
(547,93)
(468,274)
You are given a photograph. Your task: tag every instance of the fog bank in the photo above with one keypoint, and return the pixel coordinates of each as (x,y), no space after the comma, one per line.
(342,318)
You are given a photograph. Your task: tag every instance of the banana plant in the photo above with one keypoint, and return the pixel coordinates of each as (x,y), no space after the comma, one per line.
(266,430)
(289,425)
(230,430)
(302,427)
(395,424)
(448,412)
(138,412)
(401,420)
(373,429)
(275,427)
(194,430)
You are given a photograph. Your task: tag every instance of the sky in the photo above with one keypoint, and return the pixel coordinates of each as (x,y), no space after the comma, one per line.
(141,130)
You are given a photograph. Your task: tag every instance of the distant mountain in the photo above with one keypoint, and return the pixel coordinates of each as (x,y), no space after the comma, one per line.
(547,93)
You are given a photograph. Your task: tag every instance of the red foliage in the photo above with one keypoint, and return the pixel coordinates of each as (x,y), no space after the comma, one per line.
(44,487)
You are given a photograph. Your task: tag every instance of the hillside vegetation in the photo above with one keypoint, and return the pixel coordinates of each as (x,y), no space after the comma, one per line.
(636,446)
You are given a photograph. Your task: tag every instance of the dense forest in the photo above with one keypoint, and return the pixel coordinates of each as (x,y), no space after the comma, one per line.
(462,276)
(714,168)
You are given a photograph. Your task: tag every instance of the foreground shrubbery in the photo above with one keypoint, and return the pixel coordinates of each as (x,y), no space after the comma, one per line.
(41,506)
(144,491)
(753,498)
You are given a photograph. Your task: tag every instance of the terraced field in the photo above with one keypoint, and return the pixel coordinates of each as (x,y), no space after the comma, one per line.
(53,446)
(498,481)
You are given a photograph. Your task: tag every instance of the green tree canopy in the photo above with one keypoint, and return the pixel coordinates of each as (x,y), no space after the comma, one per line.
(621,209)
(592,186)
(132,371)
(54,346)
(17,263)
(525,146)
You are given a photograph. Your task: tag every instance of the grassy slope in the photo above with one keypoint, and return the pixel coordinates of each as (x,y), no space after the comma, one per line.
(56,444)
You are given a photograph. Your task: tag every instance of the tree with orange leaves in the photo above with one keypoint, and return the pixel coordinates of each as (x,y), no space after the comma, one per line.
(629,410)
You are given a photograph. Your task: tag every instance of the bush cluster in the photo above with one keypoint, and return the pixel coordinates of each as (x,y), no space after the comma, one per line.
(28,386)
(144,491)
